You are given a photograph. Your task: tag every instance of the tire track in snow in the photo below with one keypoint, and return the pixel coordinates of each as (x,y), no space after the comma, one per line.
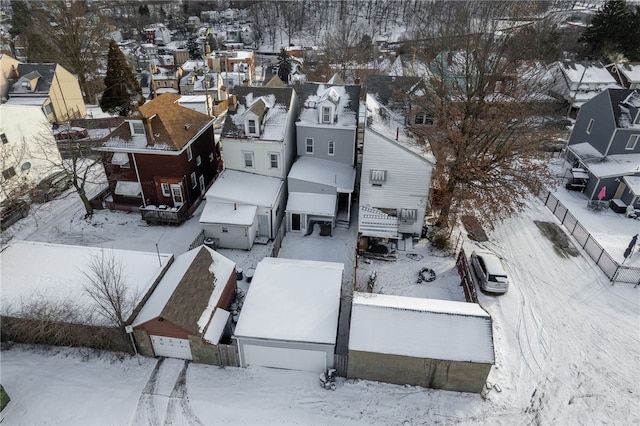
(179,402)
(146,409)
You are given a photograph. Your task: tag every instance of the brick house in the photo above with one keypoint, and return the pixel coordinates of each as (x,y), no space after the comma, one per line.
(161,160)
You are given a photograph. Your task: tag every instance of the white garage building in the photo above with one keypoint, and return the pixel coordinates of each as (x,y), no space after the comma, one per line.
(290,315)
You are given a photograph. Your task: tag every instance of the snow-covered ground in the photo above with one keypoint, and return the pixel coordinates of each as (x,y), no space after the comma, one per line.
(566,342)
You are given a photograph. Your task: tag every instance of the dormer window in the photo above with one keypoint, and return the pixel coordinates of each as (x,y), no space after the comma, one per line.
(251,127)
(326,114)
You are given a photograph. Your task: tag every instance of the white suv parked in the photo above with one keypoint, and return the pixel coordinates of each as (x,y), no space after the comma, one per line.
(490,272)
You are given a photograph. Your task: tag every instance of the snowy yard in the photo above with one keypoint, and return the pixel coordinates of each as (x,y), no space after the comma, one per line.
(566,342)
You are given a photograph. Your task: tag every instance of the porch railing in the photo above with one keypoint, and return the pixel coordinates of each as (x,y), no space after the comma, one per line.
(164,214)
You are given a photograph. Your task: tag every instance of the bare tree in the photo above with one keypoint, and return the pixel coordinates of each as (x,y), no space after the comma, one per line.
(66,33)
(108,287)
(487,154)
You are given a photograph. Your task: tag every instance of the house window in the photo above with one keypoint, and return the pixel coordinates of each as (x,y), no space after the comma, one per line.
(48,109)
(377,177)
(198,160)
(633,140)
(408,215)
(422,118)
(211,157)
(194,181)
(590,126)
(252,127)
(326,114)
(309,145)
(274,160)
(4,138)
(189,153)
(332,147)
(8,173)
(224,229)
(248,159)
(166,192)
(176,193)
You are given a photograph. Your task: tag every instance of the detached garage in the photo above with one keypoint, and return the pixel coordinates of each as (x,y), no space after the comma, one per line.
(290,315)
(432,343)
(186,314)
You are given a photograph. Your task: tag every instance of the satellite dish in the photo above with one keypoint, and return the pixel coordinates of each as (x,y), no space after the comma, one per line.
(25,166)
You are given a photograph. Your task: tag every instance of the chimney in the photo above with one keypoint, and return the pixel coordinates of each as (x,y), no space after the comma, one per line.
(233,103)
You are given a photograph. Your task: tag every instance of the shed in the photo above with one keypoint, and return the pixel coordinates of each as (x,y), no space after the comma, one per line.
(186,314)
(432,343)
(290,315)
(242,208)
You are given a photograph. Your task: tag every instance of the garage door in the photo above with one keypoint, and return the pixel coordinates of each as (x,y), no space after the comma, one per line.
(291,359)
(171,347)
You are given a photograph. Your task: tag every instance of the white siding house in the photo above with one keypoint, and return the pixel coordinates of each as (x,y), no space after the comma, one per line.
(242,208)
(29,150)
(395,181)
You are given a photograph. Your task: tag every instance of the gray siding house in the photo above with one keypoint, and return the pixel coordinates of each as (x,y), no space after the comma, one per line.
(326,134)
(605,143)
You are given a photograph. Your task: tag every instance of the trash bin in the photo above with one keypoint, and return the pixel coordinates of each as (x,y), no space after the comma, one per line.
(238,274)
(249,275)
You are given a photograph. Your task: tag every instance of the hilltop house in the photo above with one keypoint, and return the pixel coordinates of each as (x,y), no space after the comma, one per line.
(187,314)
(322,181)
(247,203)
(29,150)
(604,148)
(161,160)
(48,86)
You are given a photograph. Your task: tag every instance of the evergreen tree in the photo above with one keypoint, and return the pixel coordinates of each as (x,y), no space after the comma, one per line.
(284,66)
(614,29)
(122,88)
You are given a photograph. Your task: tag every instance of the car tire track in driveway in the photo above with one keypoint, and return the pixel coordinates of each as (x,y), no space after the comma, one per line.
(179,398)
(146,413)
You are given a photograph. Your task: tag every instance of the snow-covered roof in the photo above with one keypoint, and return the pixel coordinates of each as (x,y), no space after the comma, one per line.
(614,165)
(33,270)
(37,101)
(246,188)
(228,214)
(587,73)
(346,109)
(277,101)
(325,172)
(631,71)
(390,124)
(585,151)
(292,300)
(633,183)
(314,204)
(181,274)
(216,326)
(421,328)
(128,189)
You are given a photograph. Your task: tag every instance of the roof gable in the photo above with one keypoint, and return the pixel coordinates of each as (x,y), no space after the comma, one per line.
(207,274)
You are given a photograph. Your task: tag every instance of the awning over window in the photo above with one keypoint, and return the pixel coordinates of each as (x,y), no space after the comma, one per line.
(120,158)
(128,189)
